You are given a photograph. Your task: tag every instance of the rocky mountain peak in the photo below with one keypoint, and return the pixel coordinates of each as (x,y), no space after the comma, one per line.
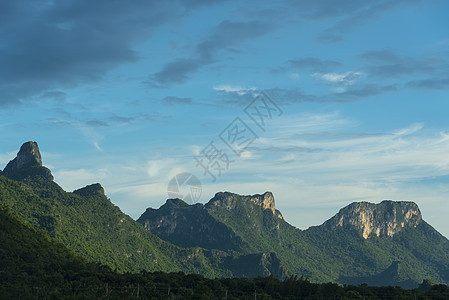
(383,220)
(28,156)
(229,200)
(175,203)
(27,162)
(90,190)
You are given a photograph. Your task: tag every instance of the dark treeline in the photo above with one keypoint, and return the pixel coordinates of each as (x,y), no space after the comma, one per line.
(101,283)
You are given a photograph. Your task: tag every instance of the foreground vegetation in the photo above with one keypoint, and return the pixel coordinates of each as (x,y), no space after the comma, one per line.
(35,266)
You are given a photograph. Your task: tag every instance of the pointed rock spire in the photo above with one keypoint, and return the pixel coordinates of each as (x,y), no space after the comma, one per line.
(27,162)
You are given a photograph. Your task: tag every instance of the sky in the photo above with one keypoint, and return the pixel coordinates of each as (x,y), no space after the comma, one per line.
(323,102)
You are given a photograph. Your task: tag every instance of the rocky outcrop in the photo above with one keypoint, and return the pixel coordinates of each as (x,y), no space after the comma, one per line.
(28,162)
(229,201)
(90,190)
(189,226)
(383,220)
(28,156)
(266,201)
(210,226)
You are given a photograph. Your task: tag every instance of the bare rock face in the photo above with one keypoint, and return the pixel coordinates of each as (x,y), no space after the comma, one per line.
(229,201)
(28,162)
(266,201)
(383,220)
(28,156)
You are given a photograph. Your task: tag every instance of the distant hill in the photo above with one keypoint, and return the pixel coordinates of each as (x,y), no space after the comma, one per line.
(380,244)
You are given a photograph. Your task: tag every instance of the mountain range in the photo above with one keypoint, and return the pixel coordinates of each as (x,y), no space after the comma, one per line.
(230,236)
(360,243)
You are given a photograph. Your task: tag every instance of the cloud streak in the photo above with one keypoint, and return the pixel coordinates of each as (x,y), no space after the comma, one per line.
(286,96)
(347,78)
(224,36)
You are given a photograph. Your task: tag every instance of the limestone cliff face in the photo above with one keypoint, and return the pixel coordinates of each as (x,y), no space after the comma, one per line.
(383,220)
(266,201)
(28,162)
(189,226)
(229,201)
(209,226)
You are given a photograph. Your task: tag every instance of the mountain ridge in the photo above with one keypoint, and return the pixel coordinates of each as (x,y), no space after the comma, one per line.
(89,224)
(231,235)
(354,243)
(31,259)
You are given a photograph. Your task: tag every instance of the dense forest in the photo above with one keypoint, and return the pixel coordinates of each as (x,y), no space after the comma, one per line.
(35,266)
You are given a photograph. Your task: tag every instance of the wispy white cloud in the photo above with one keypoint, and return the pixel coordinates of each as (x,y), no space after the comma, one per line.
(401,155)
(97,146)
(154,167)
(347,78)
(72,179)
(235,89)
(246,155)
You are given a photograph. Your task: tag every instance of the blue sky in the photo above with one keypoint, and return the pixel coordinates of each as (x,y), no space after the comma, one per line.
(128,93)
